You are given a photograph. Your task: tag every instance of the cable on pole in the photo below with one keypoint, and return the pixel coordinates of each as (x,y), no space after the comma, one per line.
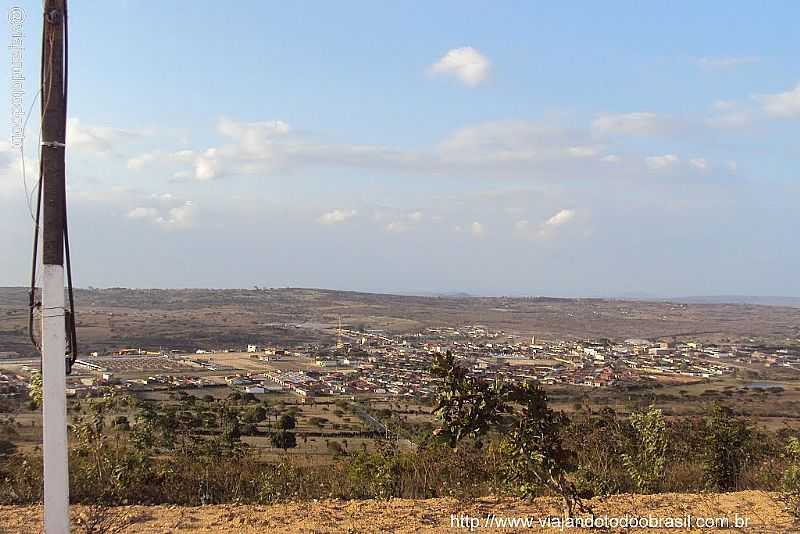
(33,304)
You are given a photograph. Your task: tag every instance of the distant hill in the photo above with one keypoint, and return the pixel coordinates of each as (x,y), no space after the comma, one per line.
(188,319)
(793,302)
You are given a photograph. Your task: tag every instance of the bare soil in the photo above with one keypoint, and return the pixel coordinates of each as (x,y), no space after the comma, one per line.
(763,511)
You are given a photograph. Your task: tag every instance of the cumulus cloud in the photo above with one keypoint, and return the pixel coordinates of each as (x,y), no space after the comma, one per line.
(336,216)
(562,217)
(513,142)
(637,123)
(143,213)
(465,63)
(400,221)
(524,228)
(658,163)
(178,217)
(781,105)
(206,165)
(701,164)
(269,148)
(96,139)
(167,212)
(142,160)
(534,150)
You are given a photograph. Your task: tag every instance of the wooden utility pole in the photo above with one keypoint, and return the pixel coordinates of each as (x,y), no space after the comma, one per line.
(53,98)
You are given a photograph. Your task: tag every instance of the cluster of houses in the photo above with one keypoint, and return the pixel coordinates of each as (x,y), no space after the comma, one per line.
(375,363)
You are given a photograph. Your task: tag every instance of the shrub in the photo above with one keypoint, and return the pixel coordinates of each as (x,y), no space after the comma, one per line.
(726,449)
(647,462)
(790,490)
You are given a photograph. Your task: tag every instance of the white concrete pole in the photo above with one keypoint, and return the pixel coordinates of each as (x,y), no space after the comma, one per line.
(54,389)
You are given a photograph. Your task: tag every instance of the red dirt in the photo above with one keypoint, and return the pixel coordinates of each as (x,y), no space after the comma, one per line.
(763,511)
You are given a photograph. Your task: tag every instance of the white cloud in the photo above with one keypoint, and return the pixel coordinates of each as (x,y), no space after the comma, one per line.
(206,166)
(466,63)
(253,137)
(700,164)
(166,214)
(560,218)
(786,104)
(402,222)
(502,149)
(143,213)
(337,216)
(527,230)
(658,163)
(583,151)
(637,123)
(142,160)
(178,217)
(96,139)
(514,142)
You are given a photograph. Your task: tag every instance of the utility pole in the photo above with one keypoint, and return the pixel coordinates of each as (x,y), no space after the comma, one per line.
(53,97)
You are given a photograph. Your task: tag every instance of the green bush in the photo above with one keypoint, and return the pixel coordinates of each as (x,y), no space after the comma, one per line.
(646,464)
(727,447)
(790,490)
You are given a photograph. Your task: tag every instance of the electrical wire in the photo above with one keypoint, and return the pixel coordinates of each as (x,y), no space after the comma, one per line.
(71,322)
(69,316)
(28,194)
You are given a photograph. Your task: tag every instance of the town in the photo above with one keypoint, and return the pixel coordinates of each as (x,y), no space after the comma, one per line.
(372,363)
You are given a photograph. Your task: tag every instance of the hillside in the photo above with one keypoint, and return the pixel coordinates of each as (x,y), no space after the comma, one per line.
(187,319)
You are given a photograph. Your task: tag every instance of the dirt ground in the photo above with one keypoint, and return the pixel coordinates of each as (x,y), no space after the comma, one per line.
(762,511)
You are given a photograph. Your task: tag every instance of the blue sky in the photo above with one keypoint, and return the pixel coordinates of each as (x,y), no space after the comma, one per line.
(522,148)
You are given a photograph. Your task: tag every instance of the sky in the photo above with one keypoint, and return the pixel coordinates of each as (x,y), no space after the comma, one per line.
(509,148)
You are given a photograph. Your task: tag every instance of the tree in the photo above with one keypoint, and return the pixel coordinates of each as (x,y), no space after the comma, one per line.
(231,431)
(466,406)
(531,444)
(287,422)
(283,439)
(255,414)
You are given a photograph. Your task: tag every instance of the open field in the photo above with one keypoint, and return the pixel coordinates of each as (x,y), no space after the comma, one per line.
(762,511)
